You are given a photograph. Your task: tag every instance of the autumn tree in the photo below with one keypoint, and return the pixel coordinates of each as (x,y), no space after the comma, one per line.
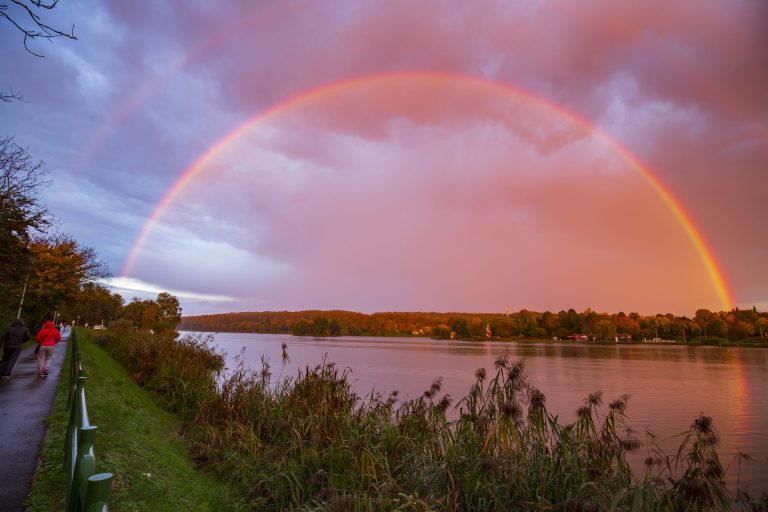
(702,319)
(505,327)
(161,315)
(627,324)
(321,327)
(528,322)
(60,268)
(22,217)
(548,322)
(168,312)
(761,325)
(605,329)
(139,313)
(302,328)
(461,328)
(476,327)
(95,304)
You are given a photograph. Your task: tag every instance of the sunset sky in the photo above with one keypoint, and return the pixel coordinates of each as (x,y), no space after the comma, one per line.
(400,155)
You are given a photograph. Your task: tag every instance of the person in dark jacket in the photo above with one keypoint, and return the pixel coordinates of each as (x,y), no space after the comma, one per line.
(11,341)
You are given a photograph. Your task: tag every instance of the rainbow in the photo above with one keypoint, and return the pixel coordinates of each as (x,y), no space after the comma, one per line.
(675,206)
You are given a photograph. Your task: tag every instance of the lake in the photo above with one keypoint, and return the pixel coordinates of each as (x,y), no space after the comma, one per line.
(670,385)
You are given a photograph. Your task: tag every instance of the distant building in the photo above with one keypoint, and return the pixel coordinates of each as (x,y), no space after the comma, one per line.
(578,337)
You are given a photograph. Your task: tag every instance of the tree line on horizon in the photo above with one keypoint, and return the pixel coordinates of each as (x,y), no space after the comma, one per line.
(736,324)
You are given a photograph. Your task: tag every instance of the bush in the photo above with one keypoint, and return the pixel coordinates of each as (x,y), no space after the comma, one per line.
(182,371)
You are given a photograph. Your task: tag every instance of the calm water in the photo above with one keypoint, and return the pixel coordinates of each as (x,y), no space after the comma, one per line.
(670,385)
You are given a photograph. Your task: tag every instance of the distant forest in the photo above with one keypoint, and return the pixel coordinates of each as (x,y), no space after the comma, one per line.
(736,324)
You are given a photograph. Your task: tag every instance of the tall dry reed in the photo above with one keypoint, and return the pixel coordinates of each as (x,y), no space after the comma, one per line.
(309,442)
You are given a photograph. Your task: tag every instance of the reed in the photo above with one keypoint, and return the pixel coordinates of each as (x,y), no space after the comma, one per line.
(309,442)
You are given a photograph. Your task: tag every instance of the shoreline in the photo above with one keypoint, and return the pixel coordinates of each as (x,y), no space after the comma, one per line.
(696,342)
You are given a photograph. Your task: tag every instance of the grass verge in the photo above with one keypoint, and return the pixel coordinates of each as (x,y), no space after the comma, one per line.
(137,442)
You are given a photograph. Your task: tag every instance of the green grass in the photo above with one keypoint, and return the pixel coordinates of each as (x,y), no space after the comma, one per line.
(137,442)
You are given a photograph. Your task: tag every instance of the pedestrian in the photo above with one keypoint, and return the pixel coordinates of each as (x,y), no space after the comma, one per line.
(48,337)
(16,334)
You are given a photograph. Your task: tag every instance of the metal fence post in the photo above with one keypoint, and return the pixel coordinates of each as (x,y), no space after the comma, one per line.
(97,493)
(85,466)
(86,491)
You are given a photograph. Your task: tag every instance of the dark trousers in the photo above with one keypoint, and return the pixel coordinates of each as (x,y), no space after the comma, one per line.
(10,355)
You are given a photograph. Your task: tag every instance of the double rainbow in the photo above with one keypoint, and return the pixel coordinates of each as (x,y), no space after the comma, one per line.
(675,206)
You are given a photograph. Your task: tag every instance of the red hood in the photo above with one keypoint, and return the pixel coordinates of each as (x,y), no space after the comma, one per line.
(48,325)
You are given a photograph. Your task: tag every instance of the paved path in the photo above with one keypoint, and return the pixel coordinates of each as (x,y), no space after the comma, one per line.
(25,402)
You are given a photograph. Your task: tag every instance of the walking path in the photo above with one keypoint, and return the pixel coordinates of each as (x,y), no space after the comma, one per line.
(25,402)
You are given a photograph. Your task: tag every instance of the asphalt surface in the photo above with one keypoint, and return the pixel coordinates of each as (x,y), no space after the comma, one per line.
(25,402)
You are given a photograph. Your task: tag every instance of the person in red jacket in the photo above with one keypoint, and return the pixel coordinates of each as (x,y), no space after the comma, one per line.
(48,337)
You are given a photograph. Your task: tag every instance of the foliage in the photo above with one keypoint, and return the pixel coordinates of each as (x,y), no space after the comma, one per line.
(161,315)
(22,216)
(736,324)
(94,305)
(311,443)
(181,371)
(60,268)
(54,268)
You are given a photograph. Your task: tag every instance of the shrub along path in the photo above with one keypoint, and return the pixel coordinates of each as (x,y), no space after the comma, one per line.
(25,402)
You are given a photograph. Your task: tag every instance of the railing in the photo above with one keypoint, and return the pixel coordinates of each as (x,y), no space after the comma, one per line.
(86,490)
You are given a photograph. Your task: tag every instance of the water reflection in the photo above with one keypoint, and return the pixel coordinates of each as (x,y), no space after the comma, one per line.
(669,385)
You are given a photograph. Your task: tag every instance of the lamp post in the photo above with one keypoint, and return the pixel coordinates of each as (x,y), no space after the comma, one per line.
(23,293)
(26,282)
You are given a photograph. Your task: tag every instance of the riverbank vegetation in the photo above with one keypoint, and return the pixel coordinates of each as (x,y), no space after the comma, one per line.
(138,441)
(309,442)
(706,327)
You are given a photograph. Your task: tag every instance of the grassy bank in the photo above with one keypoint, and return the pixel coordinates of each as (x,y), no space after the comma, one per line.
(311,443)
(137,441)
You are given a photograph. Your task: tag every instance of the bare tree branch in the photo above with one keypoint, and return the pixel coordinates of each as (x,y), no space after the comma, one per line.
(11,96)
(26,18)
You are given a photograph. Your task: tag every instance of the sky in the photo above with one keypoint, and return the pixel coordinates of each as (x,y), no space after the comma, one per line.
(403,156)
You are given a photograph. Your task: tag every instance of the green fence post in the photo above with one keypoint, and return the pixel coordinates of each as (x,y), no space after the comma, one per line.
(72,417)
(97,493)
(80,405)
(71,445)
(85,466)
